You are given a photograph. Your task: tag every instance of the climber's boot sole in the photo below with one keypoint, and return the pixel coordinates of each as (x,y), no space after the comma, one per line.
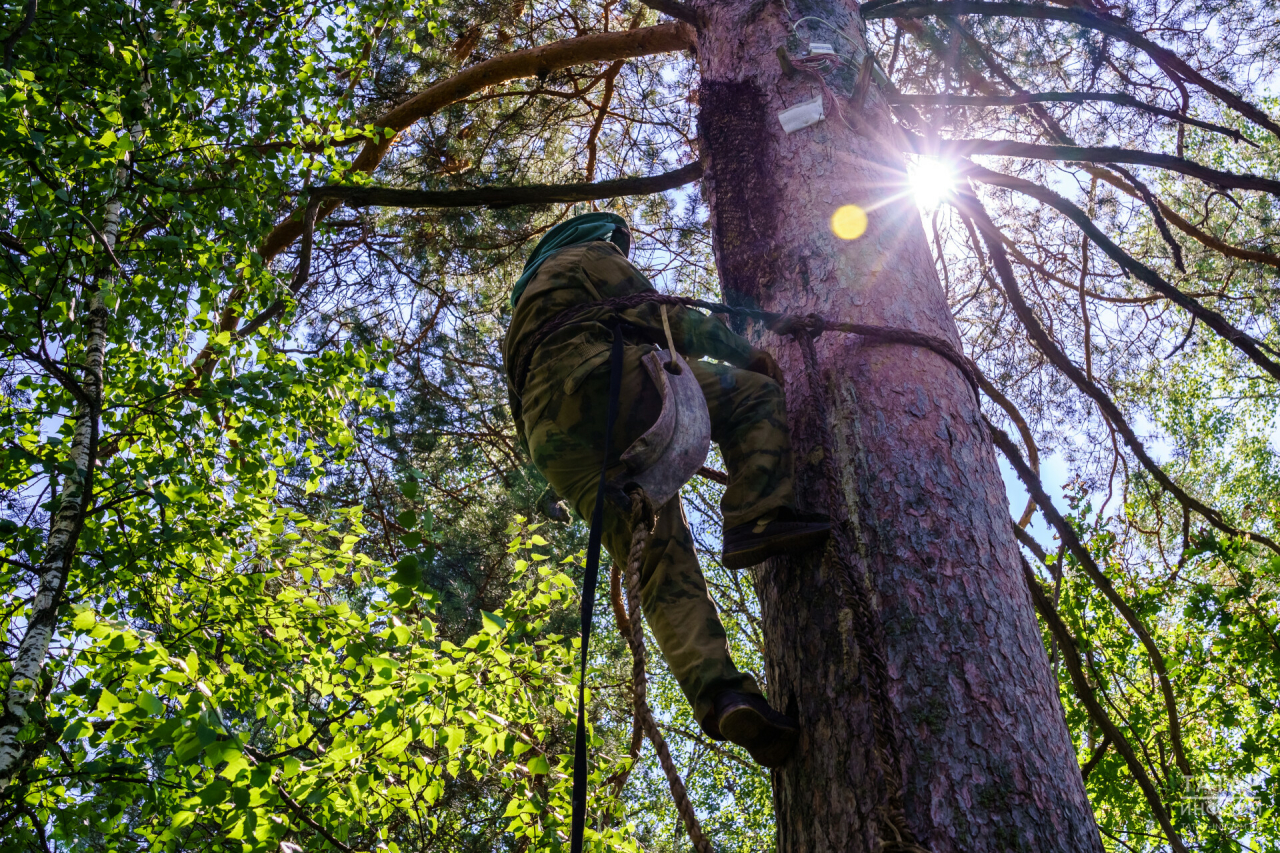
(791,533)
(747,720)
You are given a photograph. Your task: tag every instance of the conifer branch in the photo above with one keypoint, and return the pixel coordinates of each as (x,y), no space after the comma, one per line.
(1169,62)
(677,10)
(1215,321)
(510,196)
(597,47)
(1106,154)
(969,207)
(1024,98)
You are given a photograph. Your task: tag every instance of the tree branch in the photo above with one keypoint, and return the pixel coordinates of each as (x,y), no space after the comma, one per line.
(1040,114)
(1099,751)
(297,809)
(1169,61)
(597,47)
(1215,321)
(510,196)
(1085,691)
(1102,582)
(1061,97)
(1153,204)
(1103,154)
(1033,452)
(677,10)
(970,207)
(27,18)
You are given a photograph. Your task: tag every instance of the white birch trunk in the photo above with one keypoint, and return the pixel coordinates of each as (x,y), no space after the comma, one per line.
(76,497)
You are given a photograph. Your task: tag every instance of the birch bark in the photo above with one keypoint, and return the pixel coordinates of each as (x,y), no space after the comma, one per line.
(986,761)
(75,498)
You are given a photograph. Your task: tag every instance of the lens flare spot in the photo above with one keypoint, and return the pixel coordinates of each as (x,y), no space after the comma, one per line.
(849,222)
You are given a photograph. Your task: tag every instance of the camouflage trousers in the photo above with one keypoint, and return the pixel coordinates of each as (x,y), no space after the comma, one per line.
(748,422)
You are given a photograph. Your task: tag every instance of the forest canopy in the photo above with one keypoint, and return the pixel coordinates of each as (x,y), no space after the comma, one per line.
(277,573)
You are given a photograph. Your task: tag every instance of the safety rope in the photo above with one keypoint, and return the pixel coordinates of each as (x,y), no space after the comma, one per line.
(847,542)
(577,825)
(782,324)
(642,519)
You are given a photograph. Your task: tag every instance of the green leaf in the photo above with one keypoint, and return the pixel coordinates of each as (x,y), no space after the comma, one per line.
(150,704)
(453,738)
(407,572)
(84,618)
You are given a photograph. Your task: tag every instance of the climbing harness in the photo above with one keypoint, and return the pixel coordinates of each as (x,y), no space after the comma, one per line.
(664,459)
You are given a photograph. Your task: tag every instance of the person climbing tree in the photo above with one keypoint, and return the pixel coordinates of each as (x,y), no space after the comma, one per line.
(559,408)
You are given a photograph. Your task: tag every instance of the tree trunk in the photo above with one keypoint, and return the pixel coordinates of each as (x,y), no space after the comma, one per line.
(983,760)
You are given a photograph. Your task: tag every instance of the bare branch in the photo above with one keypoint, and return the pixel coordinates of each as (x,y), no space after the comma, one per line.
(970,207)
(1170,62)
(1102,582)
(1098,752)
(1097,713)
(1104,154)
(510,196)
(1024,430)
(1215,321)
(1021,99)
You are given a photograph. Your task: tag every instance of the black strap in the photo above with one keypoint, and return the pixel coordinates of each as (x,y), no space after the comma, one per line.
(589,601)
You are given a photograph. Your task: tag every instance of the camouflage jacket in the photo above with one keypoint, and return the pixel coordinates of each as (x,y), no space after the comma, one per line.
(584,273)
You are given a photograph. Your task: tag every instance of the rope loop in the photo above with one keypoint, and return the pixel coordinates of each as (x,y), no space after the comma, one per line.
(643,518)
(795,325)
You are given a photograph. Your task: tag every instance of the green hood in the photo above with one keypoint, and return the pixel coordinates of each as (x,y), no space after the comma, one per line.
(579,229)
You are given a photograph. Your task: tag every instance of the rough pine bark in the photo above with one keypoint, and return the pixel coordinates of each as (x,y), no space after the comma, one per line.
(984,761)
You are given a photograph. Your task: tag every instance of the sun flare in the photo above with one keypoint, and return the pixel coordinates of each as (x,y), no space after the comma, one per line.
(931,180)
(849,222)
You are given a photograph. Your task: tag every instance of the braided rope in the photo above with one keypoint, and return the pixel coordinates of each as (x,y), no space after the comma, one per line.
(642,519)
(619,779)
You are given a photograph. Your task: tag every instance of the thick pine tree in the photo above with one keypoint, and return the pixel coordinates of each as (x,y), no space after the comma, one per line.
(983,759)
(1108,265)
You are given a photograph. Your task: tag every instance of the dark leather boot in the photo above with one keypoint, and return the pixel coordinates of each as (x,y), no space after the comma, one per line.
(790,532)
(747,720)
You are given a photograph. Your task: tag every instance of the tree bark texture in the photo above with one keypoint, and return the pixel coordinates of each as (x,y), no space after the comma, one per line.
(55,566)
(984,758)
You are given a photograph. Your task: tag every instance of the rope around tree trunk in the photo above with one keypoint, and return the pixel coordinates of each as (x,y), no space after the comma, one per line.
(782,324)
